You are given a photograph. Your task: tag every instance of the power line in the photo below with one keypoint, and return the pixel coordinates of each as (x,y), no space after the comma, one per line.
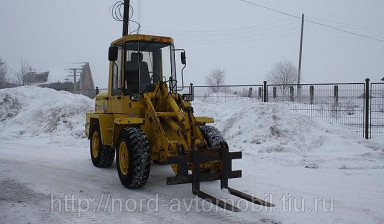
(349,24)
(345,31)
(245,29)
(314,22)
(270,9)
(236,34)
(252,38)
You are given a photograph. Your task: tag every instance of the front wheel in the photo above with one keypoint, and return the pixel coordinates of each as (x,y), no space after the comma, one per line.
(133,158)
(213,138)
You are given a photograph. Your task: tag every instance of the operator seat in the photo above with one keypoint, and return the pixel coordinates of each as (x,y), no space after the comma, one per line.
(136,70)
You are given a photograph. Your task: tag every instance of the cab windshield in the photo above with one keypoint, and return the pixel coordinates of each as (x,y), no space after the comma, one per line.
(147,63)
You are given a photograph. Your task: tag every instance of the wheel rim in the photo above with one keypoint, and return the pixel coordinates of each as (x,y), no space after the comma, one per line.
(95,144)
(123,158)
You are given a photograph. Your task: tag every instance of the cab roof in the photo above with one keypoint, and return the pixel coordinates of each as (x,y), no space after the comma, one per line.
(141,37)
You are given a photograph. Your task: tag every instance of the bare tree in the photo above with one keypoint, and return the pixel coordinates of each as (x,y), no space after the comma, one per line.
(215,79)
(283,72)
(25,68)
(3,73)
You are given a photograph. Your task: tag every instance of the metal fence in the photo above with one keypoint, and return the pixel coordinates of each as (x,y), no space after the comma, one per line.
(360,106)
(342,103)
(376,109)
(228,93)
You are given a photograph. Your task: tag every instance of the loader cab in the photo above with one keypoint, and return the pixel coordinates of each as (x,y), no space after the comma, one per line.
(138,62)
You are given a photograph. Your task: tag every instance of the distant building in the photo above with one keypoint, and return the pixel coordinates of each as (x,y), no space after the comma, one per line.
(35,77)
(81,84)
(86,85)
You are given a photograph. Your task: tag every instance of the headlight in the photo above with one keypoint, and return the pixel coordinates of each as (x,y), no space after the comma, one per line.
(187,97)
(135,97)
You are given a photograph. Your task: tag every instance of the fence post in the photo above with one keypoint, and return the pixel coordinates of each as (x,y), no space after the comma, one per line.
(260,92)
(250,92)
(265,92)
(367,95)
(336,95)
(274,92)
(97,90)
(291,91)
(311,94)
(191,91)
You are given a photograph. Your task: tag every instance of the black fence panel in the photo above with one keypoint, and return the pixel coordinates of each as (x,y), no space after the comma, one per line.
(341,103)
(376,109)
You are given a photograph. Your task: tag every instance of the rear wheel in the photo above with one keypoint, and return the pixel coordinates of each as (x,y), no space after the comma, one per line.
(102,156)
(133,158)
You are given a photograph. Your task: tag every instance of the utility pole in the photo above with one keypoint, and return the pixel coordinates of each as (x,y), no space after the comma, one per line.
(300,56)
(74,78)
(75,70)
(126,17)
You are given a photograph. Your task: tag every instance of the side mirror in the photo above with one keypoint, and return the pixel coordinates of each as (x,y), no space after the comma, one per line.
(112,53)
(183,58)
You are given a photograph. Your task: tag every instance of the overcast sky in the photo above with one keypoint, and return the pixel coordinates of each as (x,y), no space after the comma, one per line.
(244,40)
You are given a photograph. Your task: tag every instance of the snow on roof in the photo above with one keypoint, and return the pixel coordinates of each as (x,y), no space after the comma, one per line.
(58,75)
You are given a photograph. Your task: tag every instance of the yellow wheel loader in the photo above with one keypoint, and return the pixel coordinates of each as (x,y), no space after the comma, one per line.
(143,118)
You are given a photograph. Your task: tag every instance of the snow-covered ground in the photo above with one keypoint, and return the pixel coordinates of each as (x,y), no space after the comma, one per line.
(313,171)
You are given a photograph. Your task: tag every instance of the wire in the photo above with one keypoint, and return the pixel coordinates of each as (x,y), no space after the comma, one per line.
(238,36)
(270,9)
(229,31)
(345,31)
(216,31)
(117,13)
(314,22)
(349,24)
(241,40)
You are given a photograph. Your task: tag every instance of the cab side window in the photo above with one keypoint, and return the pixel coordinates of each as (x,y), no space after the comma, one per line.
(116,73)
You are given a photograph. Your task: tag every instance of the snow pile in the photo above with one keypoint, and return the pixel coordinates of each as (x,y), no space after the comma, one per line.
(264,130)
(271,130)
(270,125)
(31,111)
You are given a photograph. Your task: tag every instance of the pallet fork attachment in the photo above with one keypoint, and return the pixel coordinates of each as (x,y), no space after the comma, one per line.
(211,155)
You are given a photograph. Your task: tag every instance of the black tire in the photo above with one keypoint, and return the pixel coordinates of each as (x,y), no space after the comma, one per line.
(106,154)
(136,172)
(212,136)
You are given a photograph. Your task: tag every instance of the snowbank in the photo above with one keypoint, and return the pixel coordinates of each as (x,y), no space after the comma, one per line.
(265,130)
(43,152)
(271,130)
(31,111)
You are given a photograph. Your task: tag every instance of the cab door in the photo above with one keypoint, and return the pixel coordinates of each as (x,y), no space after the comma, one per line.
(116,94)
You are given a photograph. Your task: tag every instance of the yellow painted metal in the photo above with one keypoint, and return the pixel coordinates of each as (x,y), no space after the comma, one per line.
(145,38)
(204,120)
(95,144)
(166,114)
(124,120)
(123,158)
(101,101)
(173,104)
(166,119)
(106,123)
